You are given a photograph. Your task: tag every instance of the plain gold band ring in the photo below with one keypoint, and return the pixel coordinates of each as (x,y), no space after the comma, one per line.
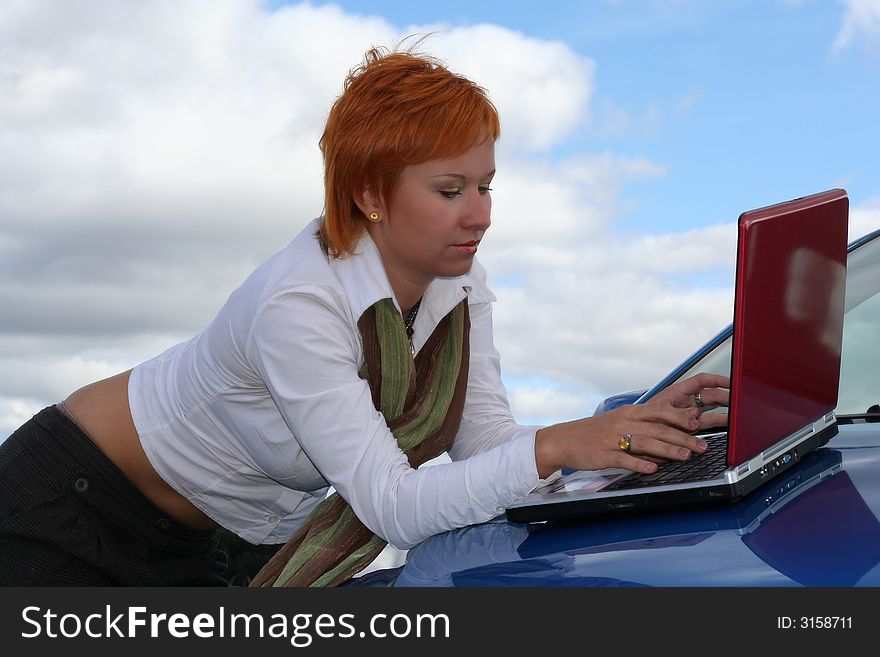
(625,442)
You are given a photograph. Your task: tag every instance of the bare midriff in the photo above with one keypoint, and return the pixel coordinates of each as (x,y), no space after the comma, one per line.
(102,411)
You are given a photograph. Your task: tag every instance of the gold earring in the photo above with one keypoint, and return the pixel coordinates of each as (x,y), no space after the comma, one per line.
(374,217)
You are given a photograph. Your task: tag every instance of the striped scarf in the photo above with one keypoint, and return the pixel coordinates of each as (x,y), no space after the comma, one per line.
(421,401)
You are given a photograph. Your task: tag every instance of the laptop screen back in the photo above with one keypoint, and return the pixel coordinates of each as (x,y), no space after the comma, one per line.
(788,319)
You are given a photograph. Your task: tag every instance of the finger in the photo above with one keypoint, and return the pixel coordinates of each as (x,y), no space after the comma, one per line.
(708,380)
(684,418)
(671,436)
(639,461)
(627,461)
(670,445)
(713,420)
(703,380)
(713,398)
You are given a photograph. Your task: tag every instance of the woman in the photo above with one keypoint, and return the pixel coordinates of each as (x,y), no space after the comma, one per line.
(361,350)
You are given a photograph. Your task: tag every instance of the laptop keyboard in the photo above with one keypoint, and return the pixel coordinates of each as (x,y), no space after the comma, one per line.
(698,467)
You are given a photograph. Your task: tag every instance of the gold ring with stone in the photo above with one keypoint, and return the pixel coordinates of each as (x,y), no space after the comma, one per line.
(625,442)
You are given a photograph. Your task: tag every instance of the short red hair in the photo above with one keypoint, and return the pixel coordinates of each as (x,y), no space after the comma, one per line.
(396,109)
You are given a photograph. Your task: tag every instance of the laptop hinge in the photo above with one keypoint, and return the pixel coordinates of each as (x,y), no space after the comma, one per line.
(793,439)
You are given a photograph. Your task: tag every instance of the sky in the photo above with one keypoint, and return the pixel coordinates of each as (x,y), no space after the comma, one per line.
(153,153)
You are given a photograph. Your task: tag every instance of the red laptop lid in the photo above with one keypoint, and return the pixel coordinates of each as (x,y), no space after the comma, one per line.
(788,319)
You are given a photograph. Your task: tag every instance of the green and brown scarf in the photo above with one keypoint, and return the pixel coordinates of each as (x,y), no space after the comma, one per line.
(421,401)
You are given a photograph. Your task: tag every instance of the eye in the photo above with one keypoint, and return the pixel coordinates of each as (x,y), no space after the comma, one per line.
(451,193)
(484,189)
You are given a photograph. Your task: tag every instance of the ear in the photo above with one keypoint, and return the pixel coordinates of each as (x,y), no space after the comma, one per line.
(369,201)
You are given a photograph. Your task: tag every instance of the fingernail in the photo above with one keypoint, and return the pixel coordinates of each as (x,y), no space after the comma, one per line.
(702,445)
(684,453)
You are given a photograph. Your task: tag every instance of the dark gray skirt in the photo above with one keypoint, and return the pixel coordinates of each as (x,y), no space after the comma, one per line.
(70,517)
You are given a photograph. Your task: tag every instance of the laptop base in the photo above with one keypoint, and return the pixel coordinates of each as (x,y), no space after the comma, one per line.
(636,502)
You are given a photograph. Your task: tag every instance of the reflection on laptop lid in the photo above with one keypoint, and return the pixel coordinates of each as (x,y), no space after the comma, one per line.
(785,369)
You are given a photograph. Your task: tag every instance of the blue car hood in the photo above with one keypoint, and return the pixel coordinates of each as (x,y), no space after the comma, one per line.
(816,525)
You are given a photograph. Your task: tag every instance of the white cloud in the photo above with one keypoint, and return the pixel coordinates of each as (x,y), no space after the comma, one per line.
(15,411)
(541,88)
(540,205)
(864,218)
(151,154)
(47,367)
(538,404)
(860,23)
(584,306)
(603,325)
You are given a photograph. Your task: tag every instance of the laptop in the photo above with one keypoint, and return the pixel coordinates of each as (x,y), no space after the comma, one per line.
(784,375)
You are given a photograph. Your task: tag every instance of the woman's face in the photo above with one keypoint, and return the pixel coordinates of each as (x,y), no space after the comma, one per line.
(435,219)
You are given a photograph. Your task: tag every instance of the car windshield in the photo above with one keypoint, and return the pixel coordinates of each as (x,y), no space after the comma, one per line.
(860,360)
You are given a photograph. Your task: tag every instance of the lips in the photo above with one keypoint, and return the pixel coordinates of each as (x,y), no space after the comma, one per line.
(468,247)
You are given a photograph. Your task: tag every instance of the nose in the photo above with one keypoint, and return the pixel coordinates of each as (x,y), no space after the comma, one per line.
(479,210)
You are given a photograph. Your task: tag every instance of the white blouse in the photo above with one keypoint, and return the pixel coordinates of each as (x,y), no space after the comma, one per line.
(252,419)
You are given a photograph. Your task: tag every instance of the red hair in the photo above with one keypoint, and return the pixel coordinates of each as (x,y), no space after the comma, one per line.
(396,109)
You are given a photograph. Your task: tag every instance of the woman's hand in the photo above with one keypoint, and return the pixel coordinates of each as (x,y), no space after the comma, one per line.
(705,392)
(638,436)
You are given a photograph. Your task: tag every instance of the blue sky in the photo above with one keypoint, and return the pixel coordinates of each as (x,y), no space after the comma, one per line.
(152,154)
(747,102)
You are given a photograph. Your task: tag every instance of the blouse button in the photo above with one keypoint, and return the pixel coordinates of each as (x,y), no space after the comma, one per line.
(81,485)
(273,519)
